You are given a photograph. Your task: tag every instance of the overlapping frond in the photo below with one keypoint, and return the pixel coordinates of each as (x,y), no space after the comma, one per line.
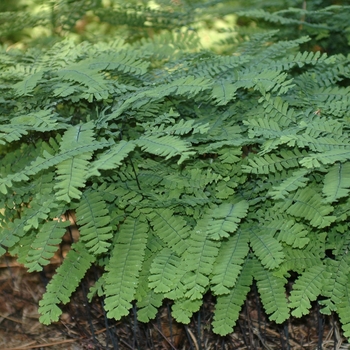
(229,306)
(229,261)
(124,266)
(307,288)
(45,244)
(94,222)
(271,290)
(64,282)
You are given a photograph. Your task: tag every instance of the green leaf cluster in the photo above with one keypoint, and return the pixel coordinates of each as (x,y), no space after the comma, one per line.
(188,172)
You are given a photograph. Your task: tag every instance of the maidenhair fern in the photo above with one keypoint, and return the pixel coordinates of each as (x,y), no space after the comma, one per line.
(187,171)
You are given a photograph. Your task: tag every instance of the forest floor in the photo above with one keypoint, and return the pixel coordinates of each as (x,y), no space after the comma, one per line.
(84,326)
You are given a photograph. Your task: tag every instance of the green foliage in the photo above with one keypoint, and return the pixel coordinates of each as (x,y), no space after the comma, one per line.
(188,171)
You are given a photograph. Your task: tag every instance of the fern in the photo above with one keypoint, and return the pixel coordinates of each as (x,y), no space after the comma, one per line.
(228,306)
(271,289)
(124,266)
(306,289)
(306,203)
(63,284)
(336,182)
(189,170)
(94,223)
(173,231)
(228,264)
(45,245)
(225,219)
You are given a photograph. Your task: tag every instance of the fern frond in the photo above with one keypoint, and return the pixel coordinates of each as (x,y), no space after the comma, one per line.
(307,288)
(337,182)
(26,86)
(30,220)
(272,293)
(148,306)
(307,203)
(225,219)
(320,126)
(47,161)
(228,264)
(292,183)
(45,244)
(163,271)
(124,266)
(171,229)
(166,146)
(199,259)
(314,160)
(266,247)
(94,222)
(264,81)
(291,232)
(125,61)
(223,92)
(82,73)
(183,309)
(229,306)
(43,121)
(271,163)
(297,260)
(72,173)
(64,283)
(343,309)
(10,133)
(148,300)
(334,286)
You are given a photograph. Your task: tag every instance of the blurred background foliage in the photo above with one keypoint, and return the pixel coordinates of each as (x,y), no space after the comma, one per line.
(219,24)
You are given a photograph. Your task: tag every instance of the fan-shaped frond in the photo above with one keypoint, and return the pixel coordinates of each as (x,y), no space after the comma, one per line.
(307,288)
(94,222)
(225,219)
(64,282)
(307,203)
(229,306)
(163,270)
(166,146)
(292,183)
(335,284)
(266,247)
(272,292)
(270,163)
(172,229)
(337,182)
(228,264)
(124,266)
(45,244)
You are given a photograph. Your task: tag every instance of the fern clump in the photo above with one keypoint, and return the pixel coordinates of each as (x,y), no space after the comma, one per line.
(188,172)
